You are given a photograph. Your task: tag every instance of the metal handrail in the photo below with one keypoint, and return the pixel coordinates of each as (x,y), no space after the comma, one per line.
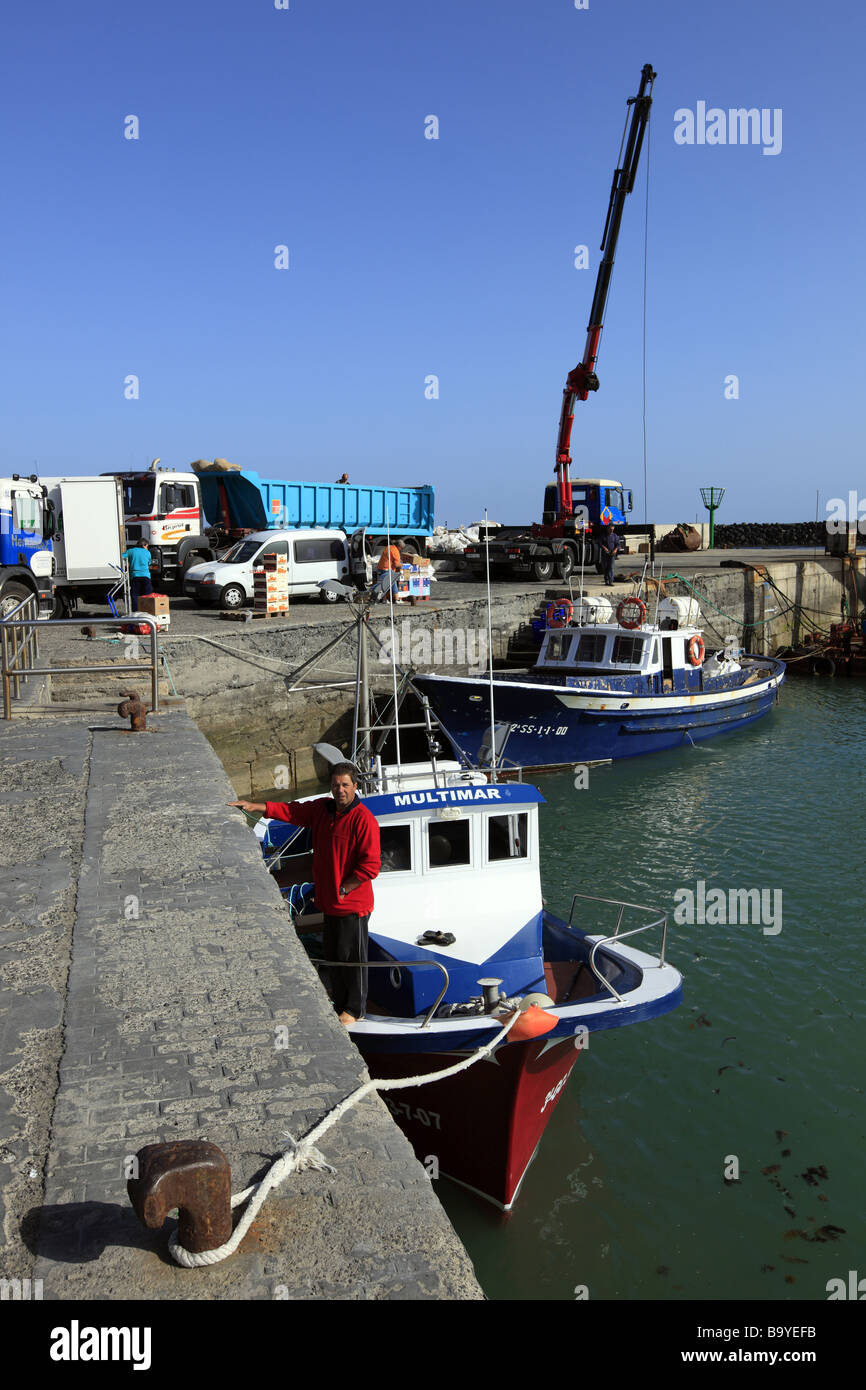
(10,674)
(20,650)
(606,940)
(394,965)
(661,921)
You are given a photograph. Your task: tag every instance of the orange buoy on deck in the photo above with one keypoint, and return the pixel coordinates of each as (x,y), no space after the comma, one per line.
(533,1023)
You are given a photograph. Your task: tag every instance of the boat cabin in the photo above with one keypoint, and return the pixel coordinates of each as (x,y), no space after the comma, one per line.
(458,860)
(649,660)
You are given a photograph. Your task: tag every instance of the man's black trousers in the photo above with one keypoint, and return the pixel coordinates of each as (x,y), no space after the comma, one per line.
(346,939)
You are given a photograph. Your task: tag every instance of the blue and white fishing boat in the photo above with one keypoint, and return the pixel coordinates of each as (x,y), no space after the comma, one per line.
(460,941)
(607,685)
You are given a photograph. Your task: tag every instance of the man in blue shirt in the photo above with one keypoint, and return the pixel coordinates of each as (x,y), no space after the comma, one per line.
(610,547)
(139,572)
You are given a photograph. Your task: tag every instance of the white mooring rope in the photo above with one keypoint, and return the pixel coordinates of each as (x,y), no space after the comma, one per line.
(303,1154)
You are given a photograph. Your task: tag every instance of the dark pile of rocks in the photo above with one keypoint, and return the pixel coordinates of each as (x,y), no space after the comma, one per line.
(748,535)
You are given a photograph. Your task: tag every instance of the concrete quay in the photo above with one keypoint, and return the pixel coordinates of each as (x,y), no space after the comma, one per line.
(151,989)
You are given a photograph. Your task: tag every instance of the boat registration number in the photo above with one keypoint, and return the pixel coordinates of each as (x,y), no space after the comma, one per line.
(539,729)
(399,1108)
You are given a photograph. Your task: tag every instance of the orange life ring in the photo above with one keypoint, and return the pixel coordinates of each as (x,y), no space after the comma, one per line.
(559,614)
(635,603)
(696,650)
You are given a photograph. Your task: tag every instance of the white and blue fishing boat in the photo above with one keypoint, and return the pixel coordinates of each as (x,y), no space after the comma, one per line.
(460,939)
(607,685)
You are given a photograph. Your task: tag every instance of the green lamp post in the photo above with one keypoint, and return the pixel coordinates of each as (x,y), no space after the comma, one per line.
(712,497)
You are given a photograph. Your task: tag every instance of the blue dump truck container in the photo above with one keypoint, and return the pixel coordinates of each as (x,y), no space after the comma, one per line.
(244,499)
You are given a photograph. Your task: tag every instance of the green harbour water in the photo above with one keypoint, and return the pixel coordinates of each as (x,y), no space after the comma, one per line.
(762,1063)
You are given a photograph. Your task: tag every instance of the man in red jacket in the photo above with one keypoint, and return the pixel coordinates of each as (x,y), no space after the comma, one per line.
(346,859)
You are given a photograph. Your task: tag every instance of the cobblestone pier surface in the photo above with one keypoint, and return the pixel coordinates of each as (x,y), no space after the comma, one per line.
(151,989)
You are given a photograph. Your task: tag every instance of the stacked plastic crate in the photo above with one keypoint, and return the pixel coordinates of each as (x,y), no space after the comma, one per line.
(271,585)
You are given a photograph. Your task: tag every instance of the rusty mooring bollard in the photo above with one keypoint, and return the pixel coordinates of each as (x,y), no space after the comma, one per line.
(133,707)
(193,1176)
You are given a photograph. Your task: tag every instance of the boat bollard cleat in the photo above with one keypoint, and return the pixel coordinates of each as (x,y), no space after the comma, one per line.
(492,995)
(193,1176)
(134,708)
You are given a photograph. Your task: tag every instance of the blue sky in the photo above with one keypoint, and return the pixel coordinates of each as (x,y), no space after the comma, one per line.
(411,257)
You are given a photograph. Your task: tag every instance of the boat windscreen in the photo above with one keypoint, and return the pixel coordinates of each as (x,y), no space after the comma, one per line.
(591,647)
(396,845)
(448,843)
(628,651)
(507,836)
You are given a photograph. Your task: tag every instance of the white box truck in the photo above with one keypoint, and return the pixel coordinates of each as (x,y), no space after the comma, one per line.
(60,539)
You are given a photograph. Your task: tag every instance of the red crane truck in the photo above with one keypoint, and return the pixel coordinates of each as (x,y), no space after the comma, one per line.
(576,510)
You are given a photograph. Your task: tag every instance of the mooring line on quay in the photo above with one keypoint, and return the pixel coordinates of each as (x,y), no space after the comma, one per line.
(304,1154)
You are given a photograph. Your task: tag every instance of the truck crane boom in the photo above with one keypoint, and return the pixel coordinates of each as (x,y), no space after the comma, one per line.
(582,379)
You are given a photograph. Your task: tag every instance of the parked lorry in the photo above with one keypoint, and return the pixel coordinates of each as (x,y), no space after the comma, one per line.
(60,539)
(189,517)
(576,510)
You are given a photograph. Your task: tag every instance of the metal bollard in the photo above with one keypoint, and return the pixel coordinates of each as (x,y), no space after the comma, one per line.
(133,708)
(193,1176)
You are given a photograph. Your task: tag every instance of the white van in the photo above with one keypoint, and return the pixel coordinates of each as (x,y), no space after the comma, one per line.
(312,556)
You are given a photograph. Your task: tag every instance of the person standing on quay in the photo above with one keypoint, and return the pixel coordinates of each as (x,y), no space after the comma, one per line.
(610,547)
(139,572)
(346,859)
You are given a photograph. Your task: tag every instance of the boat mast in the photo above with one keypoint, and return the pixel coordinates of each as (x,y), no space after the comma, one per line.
(490,650)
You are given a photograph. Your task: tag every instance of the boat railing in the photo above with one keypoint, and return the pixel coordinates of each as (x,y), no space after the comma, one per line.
(619,935)
(396,965)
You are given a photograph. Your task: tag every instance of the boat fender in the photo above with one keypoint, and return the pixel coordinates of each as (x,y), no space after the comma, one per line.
(559,614)
(822,666)
(632,604)
(532,1023)
(696,650)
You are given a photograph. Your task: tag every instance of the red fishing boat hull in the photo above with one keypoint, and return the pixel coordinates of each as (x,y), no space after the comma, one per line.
(482,1127)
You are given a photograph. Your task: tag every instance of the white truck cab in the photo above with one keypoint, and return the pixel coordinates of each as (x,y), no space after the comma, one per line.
(312,556)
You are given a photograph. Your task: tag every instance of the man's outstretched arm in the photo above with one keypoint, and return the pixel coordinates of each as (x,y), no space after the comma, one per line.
(298,812)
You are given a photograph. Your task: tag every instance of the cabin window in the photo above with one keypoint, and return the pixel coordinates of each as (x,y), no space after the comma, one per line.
(507,836)
(138,496)
(591,647)
(318,552)
(448,843)
(628,651)
(655,651)
(558,646)
(396,841)
(174,497)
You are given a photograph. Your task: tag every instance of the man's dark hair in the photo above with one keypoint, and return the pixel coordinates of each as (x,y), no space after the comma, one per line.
(344,770)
